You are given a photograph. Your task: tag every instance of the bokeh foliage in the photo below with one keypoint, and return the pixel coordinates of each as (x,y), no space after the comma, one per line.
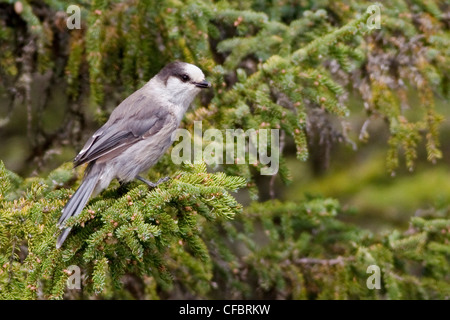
(284,65)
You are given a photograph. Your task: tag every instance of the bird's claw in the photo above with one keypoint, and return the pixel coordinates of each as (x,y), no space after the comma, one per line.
(153,184)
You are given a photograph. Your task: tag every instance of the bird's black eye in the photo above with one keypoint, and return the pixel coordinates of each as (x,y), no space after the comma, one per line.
(185,77)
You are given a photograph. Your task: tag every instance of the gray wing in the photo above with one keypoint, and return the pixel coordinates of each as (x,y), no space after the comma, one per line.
(133,120)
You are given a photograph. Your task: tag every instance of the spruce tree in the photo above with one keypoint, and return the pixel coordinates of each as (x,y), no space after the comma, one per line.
(209,232)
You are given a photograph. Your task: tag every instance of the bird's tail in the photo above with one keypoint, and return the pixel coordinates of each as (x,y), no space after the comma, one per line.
(77,202)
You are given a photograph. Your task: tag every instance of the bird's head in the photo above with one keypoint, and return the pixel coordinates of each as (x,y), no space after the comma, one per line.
(182,81)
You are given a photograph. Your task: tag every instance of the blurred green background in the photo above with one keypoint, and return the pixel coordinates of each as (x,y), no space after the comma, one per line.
(359,179)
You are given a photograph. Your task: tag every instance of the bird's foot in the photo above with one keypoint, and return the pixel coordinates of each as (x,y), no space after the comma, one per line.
(153,184)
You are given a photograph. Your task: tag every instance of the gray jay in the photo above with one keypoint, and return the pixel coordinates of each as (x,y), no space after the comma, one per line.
(136,135)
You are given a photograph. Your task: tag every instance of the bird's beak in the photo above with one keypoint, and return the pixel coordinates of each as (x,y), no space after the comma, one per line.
(203,84)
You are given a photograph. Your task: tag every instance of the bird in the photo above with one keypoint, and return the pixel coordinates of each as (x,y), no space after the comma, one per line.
(136,135)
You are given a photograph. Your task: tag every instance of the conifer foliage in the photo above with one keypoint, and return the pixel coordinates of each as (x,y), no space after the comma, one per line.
(273,65)
(131,233)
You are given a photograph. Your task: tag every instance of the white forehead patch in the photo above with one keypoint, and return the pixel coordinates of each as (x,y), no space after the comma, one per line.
(194,72)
